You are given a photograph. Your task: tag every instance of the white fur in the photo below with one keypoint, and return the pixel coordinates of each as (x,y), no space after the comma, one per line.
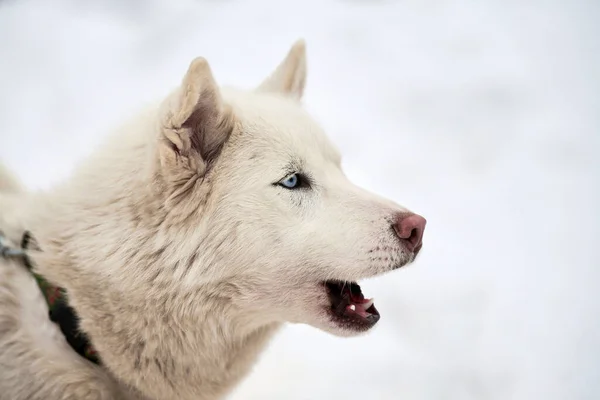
(179,251)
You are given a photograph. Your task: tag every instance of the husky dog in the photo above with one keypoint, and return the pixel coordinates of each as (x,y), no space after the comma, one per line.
(186,241)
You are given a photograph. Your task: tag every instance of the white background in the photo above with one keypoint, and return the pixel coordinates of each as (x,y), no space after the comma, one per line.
(483,116)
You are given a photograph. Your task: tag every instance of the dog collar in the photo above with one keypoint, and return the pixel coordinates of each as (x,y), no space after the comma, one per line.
(56,297)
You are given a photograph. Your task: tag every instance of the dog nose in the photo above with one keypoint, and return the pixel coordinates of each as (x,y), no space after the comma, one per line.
(410,228)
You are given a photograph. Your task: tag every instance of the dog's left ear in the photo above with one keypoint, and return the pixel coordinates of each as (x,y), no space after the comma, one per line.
(196,123)
(290,76)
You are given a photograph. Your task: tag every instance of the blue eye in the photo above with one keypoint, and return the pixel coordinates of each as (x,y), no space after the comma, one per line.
(290,182)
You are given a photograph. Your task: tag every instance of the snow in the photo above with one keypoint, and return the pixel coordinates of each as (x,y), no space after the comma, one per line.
(482,116)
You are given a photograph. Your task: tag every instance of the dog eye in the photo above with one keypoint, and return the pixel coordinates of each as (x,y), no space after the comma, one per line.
(290,182)
(294,181)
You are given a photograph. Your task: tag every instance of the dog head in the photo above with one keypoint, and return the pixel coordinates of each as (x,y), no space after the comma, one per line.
(260,194)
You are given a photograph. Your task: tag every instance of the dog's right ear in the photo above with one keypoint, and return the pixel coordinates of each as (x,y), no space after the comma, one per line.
(195,124)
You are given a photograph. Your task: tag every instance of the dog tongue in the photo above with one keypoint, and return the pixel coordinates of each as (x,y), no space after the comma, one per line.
(360,308)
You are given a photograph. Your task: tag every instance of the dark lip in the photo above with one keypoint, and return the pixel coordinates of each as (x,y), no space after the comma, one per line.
(338,303)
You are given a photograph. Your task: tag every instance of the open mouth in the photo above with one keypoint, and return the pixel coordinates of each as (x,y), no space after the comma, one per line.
(349,307)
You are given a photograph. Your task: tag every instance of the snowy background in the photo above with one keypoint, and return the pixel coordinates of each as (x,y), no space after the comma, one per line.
(483,116)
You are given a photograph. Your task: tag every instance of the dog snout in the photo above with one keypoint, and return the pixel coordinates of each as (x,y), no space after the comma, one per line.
(409,229)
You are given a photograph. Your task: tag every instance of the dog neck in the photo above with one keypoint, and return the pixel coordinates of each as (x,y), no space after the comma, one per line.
(165,345)
(181,342)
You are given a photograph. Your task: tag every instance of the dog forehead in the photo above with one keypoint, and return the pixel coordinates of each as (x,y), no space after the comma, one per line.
(282,124)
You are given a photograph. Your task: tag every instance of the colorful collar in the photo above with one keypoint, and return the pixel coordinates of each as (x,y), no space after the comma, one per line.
(66,318)
(56,298)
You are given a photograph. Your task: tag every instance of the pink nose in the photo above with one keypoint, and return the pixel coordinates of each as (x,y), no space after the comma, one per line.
(410,228)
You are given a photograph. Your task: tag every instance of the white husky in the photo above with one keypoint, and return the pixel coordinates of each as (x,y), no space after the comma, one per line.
(187,240)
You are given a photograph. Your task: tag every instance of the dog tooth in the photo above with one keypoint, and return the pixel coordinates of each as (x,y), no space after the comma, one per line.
(368,304)
(352,307)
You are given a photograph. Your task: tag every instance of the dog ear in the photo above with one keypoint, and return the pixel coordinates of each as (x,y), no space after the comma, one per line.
(290,76)
(196,124)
